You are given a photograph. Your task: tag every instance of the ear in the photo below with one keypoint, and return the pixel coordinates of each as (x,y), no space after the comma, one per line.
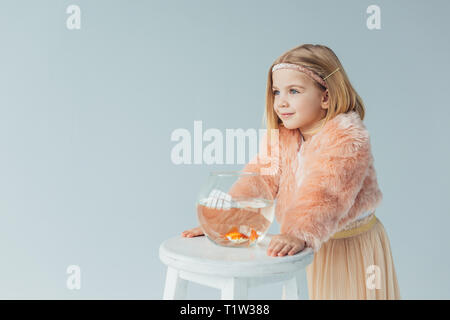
(325,100)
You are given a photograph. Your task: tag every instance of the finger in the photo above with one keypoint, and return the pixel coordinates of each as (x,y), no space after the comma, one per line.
(285,249)
(294,250)
(270,250)
(298,247)
(195,233)
(192,232)
(272,246)
(277,248)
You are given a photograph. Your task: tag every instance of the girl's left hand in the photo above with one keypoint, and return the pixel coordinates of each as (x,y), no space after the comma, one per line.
(282,244)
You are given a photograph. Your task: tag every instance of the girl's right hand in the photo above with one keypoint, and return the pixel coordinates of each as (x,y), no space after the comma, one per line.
(194,232)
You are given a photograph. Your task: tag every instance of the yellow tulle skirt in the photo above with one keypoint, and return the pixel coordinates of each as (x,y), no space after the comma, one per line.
(357,267)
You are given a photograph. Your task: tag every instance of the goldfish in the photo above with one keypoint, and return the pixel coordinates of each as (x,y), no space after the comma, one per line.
(235,236)
(253,235)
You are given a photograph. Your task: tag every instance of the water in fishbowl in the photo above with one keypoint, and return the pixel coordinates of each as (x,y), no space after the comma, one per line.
(235,223)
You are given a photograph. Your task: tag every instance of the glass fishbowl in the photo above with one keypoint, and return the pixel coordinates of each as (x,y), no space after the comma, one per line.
(235,208)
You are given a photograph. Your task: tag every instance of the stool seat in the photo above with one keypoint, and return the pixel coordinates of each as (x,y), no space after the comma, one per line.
(233,270)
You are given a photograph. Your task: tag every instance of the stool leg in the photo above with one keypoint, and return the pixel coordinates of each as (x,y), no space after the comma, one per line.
(297,287)
(175,287)
(235,289)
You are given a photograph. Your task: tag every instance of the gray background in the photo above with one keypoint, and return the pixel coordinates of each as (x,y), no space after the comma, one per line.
(86,118)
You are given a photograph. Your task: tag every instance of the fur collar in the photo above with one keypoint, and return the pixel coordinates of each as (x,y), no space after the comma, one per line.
(343,133)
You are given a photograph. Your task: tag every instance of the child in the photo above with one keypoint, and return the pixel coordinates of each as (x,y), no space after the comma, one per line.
(326,186)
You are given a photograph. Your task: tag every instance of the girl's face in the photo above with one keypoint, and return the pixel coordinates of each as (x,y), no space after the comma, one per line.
(297,101)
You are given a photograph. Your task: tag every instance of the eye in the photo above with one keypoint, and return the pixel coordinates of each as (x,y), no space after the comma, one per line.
(275,92)
(295,91)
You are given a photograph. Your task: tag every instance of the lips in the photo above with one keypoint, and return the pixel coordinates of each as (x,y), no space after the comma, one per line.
(286,115)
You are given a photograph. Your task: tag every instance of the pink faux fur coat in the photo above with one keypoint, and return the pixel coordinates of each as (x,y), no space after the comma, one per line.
(334,185)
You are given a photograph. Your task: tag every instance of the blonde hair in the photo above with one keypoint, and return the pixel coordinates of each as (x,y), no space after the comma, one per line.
(323,61)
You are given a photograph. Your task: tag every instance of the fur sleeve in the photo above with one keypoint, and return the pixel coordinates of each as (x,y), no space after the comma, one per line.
(332,179)
(267,164)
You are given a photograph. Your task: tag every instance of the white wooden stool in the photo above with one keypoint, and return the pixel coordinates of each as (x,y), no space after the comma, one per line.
(232,270)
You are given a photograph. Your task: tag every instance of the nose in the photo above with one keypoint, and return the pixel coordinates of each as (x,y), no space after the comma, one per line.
(282,104)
